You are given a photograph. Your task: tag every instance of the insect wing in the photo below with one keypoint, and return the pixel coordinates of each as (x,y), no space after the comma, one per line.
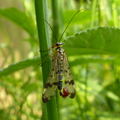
(52,82)
(68,78)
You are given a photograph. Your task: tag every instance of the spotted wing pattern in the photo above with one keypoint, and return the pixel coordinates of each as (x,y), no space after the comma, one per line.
(69,82)
(52,82)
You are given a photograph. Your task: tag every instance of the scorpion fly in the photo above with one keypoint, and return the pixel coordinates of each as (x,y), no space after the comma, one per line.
(60,67)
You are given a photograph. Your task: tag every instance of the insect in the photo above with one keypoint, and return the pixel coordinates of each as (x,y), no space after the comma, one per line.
(60,67)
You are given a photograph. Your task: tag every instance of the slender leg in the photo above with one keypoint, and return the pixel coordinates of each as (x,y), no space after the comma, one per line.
(51,48)
(49,54)
(47,59)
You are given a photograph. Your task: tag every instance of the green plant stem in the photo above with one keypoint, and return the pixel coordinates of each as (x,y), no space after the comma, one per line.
(86,86)
(44,41)
(55,17)
(55,26)
(44,44)
(93,12)
(99,14)
(86,92)
(115,13)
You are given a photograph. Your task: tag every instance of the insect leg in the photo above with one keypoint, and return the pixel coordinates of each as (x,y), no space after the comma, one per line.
(51,48)
(48,54)
(47,59)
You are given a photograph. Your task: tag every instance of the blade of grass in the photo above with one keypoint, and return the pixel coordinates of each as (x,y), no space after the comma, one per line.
(19,18)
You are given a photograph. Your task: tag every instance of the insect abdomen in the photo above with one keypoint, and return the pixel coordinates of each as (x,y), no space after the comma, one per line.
(60,78)
(60,82)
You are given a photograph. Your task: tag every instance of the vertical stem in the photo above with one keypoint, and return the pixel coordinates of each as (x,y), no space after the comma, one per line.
(55,17)
(55,25)
(86,78)
(61,25)
(115,13)
(44,44)
(108,10)
(93,13)
(99,13)
(86,86)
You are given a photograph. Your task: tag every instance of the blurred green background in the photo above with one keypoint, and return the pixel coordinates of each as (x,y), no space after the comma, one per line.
(96,76)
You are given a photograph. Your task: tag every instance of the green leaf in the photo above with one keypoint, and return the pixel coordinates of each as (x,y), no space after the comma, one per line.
(19,66)
(92,59)
(19,18)
(103,40)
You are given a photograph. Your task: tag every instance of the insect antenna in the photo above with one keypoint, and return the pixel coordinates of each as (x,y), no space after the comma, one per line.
(51,29)
(69,24)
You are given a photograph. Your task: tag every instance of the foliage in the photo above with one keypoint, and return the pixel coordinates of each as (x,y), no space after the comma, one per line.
(92,46)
